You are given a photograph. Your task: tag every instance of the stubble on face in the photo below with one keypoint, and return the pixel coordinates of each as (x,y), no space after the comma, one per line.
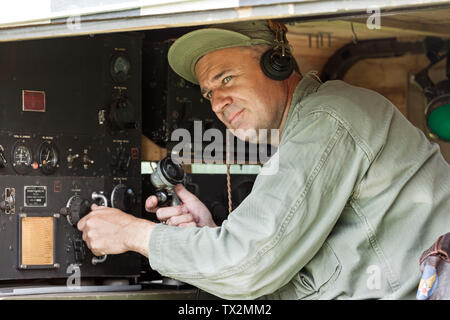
(249,101)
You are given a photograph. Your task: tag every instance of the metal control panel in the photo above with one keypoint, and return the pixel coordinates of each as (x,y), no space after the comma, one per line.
(70,135)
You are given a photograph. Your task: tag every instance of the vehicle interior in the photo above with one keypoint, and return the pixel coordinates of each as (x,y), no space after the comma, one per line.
(89,105)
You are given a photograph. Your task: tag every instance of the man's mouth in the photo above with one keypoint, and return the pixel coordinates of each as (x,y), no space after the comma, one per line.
(234,117)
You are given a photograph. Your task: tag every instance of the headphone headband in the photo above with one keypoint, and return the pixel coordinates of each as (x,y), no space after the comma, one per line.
(280,31)
(277,63)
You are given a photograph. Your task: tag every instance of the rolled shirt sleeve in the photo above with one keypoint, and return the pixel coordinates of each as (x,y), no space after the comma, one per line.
(280,226)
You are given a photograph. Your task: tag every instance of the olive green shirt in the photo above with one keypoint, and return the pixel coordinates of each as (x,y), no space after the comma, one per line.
(358,193)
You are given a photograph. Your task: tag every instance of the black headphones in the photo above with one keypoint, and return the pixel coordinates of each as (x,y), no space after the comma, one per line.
(278,63)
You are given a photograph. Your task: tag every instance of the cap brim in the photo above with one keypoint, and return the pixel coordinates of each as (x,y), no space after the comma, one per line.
(188,49)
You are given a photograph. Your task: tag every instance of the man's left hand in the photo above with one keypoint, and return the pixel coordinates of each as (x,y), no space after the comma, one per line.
(112,231)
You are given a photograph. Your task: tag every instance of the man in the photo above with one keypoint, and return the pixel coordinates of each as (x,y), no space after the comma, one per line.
(358,195)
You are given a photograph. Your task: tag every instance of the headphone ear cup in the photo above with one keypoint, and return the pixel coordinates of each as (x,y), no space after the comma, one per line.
(275,66)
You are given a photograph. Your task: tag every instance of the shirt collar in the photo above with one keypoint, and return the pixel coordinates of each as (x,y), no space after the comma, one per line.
(310,83)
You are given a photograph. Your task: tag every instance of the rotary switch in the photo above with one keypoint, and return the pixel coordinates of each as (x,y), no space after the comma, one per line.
(76,209)
(123,198)
(120,114)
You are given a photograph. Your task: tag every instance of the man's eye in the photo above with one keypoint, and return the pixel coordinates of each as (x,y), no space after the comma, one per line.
(209,95)
(227,79)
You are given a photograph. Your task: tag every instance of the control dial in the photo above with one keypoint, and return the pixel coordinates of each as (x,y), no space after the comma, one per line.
(123,198)
(120,114)
(76,209)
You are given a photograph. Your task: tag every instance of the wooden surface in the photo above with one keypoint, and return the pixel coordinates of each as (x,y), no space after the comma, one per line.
(313,43)
(388,76)
(151,151)
(428,22)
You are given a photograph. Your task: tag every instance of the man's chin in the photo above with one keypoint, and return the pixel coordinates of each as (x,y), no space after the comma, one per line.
(248,135)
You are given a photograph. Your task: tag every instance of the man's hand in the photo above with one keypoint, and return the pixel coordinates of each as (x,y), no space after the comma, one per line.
(111,231)
(191,213)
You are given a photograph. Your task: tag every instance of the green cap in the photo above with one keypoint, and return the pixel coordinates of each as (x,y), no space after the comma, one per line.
(188,49)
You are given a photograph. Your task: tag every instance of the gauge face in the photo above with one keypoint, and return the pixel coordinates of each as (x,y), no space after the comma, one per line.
(120,68)
(121,64)
(48,157)
(22,158)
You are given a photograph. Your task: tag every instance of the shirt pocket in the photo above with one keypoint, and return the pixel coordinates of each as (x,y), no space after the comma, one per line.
(318,274)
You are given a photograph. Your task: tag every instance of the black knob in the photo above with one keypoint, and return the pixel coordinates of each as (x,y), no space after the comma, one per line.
(123,198)
(120,115)
(76,209)
(124,160)
(163,197)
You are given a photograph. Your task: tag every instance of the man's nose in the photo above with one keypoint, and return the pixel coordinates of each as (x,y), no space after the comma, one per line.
(220,101)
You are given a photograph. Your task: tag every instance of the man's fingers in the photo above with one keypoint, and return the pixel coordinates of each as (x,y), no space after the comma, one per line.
(95,206)
(188,225)
(82,223)
(151,204)
(167,212)
(182,219)
(98,209)
(183,193)
(84,236)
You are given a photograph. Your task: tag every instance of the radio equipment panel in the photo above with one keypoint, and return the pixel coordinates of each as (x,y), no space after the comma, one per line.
(70,136)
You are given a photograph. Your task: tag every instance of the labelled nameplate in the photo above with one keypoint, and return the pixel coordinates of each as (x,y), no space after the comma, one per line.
(35,196)
(36,242)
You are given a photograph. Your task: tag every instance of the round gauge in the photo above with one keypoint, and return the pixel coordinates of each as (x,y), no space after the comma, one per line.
(120,68)
(22,157)
(48,157)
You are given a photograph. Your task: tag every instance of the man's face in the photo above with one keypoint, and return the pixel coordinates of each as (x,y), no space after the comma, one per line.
(240,94)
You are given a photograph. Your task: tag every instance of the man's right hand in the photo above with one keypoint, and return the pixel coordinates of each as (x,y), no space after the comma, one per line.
(191,213)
